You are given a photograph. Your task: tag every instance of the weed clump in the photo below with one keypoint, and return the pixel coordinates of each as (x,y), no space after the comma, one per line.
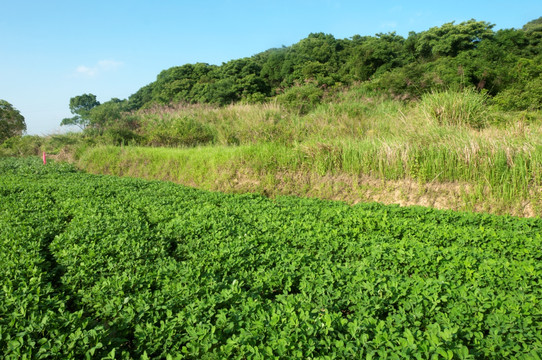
(465,108)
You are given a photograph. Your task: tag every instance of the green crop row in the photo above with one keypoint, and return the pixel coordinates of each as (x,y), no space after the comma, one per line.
(106,267)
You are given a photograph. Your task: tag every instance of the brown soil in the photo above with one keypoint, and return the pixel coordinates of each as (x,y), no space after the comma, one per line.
(345,187)
(355,189)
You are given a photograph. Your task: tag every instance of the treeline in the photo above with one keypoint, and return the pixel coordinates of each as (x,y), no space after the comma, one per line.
(505,64)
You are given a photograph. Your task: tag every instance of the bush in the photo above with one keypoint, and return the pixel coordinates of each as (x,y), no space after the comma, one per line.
(185,131)
(414,80)
(58,142)
(301,99)
(121,136)
(528,97)
(21,146)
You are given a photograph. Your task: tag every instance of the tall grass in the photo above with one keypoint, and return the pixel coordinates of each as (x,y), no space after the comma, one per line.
(230,125)
(444,138)
(496,173)
(463,108)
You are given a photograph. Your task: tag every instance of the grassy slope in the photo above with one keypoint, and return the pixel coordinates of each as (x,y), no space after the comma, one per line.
(448,150)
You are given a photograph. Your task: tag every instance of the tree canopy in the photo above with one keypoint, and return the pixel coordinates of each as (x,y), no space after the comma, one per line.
(11,121)
(450,39)
(81,106)
(534,25)
(468,54)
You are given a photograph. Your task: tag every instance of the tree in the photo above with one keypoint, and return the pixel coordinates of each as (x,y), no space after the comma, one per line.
(80,106)
(533,30)
(141,97)
(451,39)
(11,121)
(533,25)
(108,113)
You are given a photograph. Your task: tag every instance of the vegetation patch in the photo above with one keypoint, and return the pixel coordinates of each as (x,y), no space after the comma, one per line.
(100,266)
(465,108)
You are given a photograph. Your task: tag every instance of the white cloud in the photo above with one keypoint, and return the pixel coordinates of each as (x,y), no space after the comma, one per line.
(109,64)
(85,70)
(388,25)
(100,67)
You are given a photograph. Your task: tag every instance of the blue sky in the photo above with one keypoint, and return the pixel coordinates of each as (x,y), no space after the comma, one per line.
(53,50)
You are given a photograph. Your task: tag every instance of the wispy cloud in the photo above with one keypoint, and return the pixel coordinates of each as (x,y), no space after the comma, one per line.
(85,70)
(388,25)
(100,67)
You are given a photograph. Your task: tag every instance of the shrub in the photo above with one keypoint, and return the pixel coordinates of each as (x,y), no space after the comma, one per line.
(527,97)
(301,99)
(21,146)
(184,131)
(121,136)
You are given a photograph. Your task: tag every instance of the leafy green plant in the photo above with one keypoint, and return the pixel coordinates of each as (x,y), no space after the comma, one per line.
(107,267)
(527,97)
(21,146)
(302,98)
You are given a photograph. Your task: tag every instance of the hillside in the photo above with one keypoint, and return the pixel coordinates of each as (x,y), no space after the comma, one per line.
(449,117)
(505,64)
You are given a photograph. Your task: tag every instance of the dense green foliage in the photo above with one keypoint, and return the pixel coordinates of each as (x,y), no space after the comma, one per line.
(505,64)
(97,266)
(11,121)
(81,106)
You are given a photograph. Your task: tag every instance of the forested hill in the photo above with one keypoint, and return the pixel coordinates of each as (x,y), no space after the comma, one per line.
(507,64)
